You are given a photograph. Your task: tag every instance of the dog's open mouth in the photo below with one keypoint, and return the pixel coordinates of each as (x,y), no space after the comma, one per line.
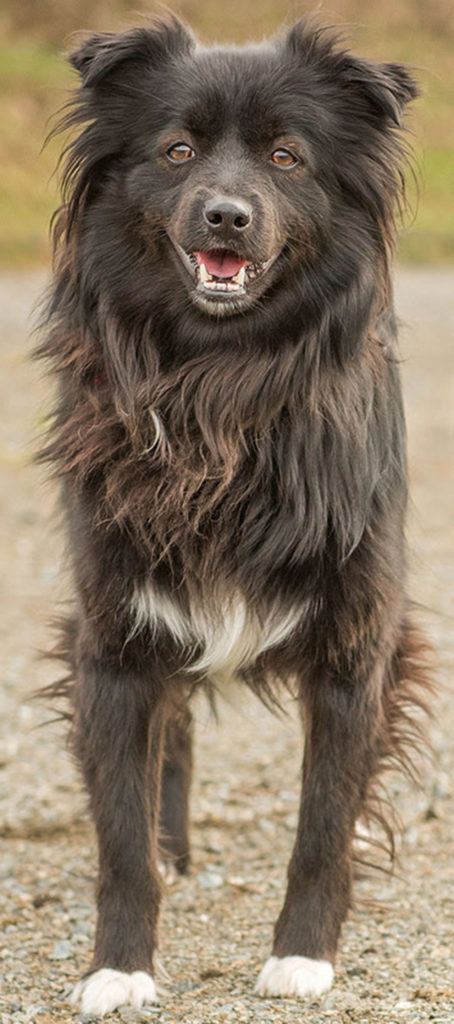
(221,274)
(224,271)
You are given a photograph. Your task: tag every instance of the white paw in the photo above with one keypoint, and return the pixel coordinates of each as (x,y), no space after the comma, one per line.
(167,871)
(106,989)
(294,976)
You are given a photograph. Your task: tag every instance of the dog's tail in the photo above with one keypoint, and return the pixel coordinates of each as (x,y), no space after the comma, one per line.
(408,699)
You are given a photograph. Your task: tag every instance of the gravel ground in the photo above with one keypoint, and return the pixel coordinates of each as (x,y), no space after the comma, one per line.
(216,927)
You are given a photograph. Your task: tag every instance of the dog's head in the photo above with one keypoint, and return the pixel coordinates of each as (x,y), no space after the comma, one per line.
(219,174)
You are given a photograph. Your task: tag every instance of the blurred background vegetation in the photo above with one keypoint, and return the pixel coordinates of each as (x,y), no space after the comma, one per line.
(34,83)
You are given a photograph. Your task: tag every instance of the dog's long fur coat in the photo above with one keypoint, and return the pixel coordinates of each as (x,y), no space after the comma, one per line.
(230,442)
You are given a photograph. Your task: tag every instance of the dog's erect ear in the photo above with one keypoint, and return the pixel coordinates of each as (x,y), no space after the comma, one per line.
(99,54)
(386,87)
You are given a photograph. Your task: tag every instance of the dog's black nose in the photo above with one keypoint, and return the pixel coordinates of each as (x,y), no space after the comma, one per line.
(227,216)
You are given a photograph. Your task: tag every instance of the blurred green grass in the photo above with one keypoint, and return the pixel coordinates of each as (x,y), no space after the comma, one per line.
(34,84)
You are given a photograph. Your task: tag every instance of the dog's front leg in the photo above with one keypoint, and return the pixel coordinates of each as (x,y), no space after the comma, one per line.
(343,716)
(118,724)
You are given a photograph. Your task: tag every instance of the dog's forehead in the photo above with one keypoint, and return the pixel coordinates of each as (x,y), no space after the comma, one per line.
(252,88)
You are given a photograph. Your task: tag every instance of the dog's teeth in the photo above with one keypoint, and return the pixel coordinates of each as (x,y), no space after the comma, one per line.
(203,273)
(219,286)
(239,278)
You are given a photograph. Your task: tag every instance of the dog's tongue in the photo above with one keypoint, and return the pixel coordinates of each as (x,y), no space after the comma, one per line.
(221,264)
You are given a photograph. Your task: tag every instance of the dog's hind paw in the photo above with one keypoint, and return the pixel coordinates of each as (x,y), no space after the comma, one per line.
(167,871)
(294,977)
(105,990)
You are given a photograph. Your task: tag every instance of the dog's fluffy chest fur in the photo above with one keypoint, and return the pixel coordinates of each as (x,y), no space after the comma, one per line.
(217,638)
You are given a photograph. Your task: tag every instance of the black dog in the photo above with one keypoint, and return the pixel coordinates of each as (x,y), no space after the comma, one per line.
(230,440)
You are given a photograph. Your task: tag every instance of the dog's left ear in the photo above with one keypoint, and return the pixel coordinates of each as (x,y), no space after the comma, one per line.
(387,88)
(99,54)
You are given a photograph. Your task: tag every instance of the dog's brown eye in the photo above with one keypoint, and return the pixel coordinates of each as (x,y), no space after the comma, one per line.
(284,158)
(180,152)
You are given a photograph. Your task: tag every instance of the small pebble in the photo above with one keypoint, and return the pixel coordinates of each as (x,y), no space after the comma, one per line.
(210,880)
(61,951)
(131,1016)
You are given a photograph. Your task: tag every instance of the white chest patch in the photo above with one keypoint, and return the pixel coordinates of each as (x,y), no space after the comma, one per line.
(229,634)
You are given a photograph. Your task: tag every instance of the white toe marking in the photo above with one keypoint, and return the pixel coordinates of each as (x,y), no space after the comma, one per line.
(106,989)
(143,989)
(168,872)
(294,976)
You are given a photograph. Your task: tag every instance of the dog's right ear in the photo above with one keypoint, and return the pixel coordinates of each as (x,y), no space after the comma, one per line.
(99,54)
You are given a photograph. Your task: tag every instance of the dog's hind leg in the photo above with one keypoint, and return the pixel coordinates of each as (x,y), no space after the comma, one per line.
(118,737)
(175,788)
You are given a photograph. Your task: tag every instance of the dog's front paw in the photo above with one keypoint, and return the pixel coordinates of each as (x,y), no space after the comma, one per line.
(294,977)
(105,990)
